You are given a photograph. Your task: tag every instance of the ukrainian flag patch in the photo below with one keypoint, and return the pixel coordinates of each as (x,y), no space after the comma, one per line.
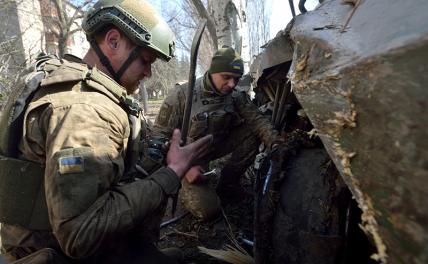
(74,164)
(236,66)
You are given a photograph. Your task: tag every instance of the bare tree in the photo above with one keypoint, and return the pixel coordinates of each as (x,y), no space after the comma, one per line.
(258,25)
(61,19)
(203,13)
(13,56)
(158,84)
(229,19)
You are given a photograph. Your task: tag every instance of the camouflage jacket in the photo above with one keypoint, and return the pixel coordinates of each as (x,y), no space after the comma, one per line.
(80,135)
(234,110)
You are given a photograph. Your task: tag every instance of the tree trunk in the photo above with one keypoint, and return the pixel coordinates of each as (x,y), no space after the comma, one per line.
(230,24)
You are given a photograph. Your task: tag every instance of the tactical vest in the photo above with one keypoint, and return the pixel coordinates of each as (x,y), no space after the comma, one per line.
(22,195)
(212,115)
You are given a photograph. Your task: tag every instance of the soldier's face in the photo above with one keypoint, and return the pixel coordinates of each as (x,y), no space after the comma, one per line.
(224,82)
(117,47)
(139,69)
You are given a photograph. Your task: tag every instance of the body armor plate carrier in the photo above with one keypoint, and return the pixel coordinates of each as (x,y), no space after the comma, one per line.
(22,195)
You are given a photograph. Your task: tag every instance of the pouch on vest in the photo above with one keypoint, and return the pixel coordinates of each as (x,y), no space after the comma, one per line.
(154,155)
(199,126)
(21,186)
(22,199)
(13,115)
(219,122)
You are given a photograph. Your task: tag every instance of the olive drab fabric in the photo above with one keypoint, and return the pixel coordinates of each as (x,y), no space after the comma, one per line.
(213,113)
(18,177)
(213,116)
(232,120)
(227,59)
(77,128)
(137,19)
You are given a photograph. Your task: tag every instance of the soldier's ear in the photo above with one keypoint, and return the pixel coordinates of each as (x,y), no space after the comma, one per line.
(112,38)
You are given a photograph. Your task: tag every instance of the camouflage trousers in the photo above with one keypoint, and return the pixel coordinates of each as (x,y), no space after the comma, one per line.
(24,246)
(201,199)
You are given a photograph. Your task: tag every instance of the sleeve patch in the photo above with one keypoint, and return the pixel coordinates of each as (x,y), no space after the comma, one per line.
(74,164)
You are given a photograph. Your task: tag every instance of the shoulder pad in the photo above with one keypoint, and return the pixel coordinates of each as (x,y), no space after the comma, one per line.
(59,72)
(41,60)
(62,71)
(72,58)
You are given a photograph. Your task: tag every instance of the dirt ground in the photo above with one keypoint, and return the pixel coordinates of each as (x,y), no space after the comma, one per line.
(188,233)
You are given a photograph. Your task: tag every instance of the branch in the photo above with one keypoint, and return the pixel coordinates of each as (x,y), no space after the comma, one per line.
(78,12)
(60,12)
(203,13)
(71,32)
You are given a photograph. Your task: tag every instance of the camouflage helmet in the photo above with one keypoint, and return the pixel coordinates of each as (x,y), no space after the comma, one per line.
(137,19)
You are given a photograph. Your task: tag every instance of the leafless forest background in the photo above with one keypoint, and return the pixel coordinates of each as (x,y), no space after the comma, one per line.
(242,24)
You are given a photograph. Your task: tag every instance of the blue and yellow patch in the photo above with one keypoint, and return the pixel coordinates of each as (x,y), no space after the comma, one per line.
(73,164)
(236,66)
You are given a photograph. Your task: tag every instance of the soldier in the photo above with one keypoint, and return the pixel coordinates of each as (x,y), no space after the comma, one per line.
(69,192)
(235,123)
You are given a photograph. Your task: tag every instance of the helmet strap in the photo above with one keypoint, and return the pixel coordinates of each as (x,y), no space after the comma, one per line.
(104,60)
(132,56)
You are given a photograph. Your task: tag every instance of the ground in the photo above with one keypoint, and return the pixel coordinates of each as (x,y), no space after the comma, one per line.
(188,233)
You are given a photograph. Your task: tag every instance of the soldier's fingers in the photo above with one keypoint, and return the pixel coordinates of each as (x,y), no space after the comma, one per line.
(176,137)
(202,145)
(202,152)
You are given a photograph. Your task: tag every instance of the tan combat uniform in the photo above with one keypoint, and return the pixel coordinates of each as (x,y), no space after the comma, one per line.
(236,124)
(80,134)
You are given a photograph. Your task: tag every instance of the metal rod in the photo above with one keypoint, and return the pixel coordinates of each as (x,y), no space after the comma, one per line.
(267,180)
(247,242)
(211,172)
(276,103)
(291,3)
(191,85)
(269,93)
(173,220)
(302,6)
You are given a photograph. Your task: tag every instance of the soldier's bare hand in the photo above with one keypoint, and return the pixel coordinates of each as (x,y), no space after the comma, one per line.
(195,174)
(180,159)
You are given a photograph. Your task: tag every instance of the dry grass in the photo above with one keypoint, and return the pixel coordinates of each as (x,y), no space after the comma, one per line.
(229,254)
(234,253)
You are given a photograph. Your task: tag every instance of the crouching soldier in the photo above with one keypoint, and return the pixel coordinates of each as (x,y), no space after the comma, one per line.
(69,141)
(235,123)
